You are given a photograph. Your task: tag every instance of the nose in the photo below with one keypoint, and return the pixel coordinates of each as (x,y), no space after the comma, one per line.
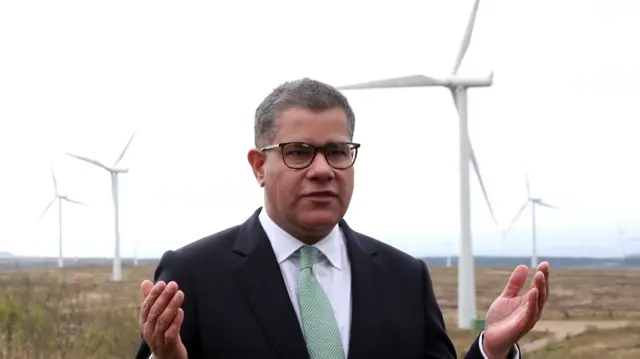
(320,170)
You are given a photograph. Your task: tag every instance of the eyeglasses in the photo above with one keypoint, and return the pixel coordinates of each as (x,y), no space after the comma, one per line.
(300,155)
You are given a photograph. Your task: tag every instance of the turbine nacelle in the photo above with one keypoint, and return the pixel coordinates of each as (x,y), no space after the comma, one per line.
(463,81)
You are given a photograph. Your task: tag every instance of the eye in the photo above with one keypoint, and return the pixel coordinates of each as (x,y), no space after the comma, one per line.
(297,150)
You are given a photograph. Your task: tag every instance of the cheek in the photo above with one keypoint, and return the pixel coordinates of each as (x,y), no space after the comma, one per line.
(346,183)
(283,184)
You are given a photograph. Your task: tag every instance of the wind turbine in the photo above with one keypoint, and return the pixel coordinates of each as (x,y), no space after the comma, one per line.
(626,242)
(458,86)
(449,253)
(135,253)
(533,201)
(114,172)
(621,241)
(58,197)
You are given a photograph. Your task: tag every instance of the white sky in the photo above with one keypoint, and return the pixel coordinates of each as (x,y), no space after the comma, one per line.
(80,76)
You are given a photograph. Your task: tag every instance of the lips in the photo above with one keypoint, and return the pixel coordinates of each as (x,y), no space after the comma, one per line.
(321,194)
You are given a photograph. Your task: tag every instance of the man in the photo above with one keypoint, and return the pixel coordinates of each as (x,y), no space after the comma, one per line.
(294,281)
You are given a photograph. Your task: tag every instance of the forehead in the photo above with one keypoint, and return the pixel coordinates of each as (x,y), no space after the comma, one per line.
(317,127)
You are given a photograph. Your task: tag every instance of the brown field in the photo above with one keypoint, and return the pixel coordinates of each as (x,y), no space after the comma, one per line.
(78,313)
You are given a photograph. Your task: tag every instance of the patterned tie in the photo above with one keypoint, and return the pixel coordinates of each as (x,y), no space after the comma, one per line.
(318,320)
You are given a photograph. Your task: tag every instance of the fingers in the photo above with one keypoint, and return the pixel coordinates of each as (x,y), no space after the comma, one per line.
(542,283)
(544,268)
(146,287)
(169,311)
(161,316)
(539,281)
(532,308)
(516,282)
(174,329)
(150,300)
(160,304)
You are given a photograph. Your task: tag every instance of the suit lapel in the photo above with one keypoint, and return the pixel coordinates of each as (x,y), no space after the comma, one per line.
(366,316)
(259,275)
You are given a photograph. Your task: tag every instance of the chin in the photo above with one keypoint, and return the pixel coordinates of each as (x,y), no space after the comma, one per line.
(319,218)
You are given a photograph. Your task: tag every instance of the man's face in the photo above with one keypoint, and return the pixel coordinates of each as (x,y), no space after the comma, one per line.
(289,193)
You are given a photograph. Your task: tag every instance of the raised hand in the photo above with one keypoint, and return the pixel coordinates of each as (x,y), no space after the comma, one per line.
(510,316)
(160,319)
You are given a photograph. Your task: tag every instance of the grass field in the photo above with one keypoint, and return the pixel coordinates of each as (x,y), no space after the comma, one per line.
(78,313)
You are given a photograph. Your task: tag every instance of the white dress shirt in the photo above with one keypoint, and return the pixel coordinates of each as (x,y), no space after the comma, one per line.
(332,270)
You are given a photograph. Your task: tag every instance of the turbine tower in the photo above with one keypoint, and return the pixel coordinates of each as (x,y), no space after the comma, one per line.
(135,253)
(533,201)
(621,242)
(458,86)
(58,197)
(114,172)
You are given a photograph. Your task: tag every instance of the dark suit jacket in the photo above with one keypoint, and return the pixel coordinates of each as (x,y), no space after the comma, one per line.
(236,304)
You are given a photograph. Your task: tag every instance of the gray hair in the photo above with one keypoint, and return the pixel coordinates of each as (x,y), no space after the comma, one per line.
(303,93)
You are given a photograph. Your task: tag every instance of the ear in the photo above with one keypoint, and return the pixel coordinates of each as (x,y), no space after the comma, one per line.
(257,159)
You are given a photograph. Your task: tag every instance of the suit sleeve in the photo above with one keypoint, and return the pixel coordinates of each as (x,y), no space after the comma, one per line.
(438,345)
(172,267)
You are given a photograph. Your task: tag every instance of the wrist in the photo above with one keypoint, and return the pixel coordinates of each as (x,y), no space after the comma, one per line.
(497,353)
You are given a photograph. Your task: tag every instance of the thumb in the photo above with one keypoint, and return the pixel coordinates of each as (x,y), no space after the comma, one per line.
(516,282)
(146,286)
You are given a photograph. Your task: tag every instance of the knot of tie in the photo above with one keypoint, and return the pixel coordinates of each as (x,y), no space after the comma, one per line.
(308,256)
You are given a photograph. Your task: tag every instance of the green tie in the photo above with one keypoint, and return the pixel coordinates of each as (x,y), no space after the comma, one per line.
(318,321)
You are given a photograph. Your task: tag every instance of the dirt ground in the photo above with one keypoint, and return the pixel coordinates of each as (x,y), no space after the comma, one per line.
(598,341)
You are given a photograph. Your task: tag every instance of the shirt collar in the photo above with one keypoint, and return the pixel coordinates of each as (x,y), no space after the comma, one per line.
(284,245)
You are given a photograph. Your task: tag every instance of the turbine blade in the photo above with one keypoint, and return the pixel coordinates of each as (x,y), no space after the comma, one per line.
(73,201)
(47,208)
(545,204)
(125,149)
(476,168)
(89,160)
(526,178)
(515,219)
(397,82)
(453,95)
(466,40)
(55,183)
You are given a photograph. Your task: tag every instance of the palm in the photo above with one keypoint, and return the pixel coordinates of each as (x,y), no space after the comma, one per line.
(511,316)
(504,319)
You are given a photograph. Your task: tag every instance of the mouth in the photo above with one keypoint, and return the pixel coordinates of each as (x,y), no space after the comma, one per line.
(321,195)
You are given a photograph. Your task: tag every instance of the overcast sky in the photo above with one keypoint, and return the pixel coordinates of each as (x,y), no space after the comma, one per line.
(79,76)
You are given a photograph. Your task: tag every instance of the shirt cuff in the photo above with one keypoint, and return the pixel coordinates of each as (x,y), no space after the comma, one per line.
(516,350)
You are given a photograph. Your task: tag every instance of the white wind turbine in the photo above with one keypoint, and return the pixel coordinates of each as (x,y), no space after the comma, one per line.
(626,242)
(458,86)
(113,171)
(58,197)
(533,201)
(622,241)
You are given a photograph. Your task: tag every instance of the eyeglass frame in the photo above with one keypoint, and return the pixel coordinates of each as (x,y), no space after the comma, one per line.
(281,145)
